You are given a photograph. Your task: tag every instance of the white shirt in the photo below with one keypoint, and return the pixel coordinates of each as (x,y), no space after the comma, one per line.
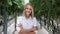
(26,23)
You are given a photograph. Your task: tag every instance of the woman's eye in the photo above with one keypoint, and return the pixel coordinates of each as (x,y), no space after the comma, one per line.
(28,8)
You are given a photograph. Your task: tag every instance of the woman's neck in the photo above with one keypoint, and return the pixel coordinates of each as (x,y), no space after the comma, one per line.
(27,17)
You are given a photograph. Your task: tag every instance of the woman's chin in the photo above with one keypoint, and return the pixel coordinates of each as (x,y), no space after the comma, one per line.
(28,15)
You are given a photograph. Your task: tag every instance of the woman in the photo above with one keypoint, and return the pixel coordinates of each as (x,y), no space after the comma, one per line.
(26,24)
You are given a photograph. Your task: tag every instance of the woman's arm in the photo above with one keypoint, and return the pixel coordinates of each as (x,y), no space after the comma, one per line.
(29,30)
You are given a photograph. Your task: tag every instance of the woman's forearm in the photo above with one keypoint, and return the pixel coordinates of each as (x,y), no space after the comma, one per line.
(25,30)
(29,30)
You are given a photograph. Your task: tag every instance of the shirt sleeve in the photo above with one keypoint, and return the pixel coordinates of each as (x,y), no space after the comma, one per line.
(18,22)
(35,22)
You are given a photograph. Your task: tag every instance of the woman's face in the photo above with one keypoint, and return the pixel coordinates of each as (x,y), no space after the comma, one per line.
(28,10)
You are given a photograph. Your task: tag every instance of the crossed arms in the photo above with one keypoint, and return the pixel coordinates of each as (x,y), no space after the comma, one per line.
(22,31)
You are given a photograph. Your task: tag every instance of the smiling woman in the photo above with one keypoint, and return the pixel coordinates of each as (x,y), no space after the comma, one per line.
(27,23)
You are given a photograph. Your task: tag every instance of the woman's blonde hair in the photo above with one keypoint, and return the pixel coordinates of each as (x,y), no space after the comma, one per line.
(32,11)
